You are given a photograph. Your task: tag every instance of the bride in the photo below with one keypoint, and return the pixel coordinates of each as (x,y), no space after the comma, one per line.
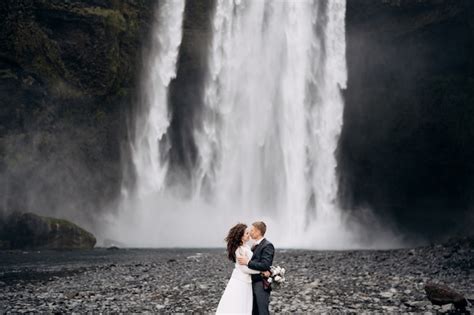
(237,297)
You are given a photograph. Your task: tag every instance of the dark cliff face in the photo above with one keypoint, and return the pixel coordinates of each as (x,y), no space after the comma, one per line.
(67,76)
(407,145)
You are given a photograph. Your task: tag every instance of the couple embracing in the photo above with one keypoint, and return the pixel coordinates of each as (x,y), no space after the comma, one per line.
(248,290)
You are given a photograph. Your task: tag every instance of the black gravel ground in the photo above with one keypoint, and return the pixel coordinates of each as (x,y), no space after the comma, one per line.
(185,280)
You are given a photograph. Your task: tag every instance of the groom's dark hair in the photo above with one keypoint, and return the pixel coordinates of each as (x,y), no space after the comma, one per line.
(261,226)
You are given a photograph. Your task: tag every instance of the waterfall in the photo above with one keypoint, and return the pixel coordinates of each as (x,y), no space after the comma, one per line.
(266,136)
(273,112)
(149,146)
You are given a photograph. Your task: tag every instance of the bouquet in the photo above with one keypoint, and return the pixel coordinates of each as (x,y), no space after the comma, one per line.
(277,275)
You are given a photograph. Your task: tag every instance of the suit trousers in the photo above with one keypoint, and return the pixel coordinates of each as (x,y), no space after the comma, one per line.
(261,299)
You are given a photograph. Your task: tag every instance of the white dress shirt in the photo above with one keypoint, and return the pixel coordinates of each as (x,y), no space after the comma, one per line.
(258,241)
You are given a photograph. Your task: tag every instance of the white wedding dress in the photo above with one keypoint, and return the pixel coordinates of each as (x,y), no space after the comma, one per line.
(237,297)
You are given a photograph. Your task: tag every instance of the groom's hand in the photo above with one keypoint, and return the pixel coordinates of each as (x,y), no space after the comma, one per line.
(242,260)
(266,274)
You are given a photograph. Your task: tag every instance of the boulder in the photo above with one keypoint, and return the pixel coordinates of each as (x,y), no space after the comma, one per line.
(112,243)
(31,231)
(440,294)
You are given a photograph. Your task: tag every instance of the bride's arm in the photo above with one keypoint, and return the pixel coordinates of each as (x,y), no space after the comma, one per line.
(247,270)
(266,259)
(241,252)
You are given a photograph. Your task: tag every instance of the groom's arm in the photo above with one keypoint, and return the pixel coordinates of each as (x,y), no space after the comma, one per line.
(265,261)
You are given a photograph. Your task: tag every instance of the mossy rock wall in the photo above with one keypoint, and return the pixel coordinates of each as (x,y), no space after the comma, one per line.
(30,231)
(68,77)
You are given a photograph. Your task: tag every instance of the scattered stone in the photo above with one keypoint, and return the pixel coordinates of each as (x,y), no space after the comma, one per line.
(440,294)
(417,304)
(447,308)
(387,295)
(164,281)
(197,256)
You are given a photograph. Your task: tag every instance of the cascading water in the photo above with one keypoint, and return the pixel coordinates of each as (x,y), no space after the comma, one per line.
(274,113)
(152,123)
(266,135)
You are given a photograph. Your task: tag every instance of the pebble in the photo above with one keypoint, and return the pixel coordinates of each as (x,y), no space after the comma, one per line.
(446,308)
(185,280)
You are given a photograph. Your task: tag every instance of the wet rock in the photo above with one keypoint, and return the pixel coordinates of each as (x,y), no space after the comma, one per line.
(440,294)
(387,295)
(417,304)
(31,231)
(447,308)
(110,243)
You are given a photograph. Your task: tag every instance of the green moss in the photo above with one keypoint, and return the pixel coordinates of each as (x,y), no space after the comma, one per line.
(34,231)
(30,41)
(113,18)
(7,74)
(65,224)
(122,92)
(55,221)
(62,90)
(42,67)
(100,115)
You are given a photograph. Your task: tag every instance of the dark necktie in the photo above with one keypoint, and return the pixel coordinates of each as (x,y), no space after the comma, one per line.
(254,246)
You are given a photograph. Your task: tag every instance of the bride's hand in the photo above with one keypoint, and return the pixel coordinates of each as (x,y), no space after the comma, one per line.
(266,274)
(242,260)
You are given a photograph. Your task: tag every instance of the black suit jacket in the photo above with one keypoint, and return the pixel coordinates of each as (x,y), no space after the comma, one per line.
(262,258)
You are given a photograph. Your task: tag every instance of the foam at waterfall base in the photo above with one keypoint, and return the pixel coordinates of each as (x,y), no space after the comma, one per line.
(164,221)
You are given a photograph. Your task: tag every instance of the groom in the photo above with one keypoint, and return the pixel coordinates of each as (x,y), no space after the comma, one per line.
(262,259)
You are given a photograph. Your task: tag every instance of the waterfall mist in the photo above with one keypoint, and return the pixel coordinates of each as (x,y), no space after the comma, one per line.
(265,136)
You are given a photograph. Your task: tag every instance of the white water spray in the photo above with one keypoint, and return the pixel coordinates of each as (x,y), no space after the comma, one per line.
(269,130)
(274,115)
(152,123)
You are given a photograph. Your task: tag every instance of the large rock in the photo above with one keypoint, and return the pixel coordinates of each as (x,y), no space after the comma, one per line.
(31,231)
(440,294)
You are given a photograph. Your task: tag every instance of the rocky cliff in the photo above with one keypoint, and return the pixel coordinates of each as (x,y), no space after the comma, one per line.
(68,70)
(407,146)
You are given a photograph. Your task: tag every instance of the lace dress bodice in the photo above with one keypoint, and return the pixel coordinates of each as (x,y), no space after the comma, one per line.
(242,272)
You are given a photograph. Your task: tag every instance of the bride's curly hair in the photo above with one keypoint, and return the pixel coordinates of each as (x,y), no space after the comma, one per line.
(234,240)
